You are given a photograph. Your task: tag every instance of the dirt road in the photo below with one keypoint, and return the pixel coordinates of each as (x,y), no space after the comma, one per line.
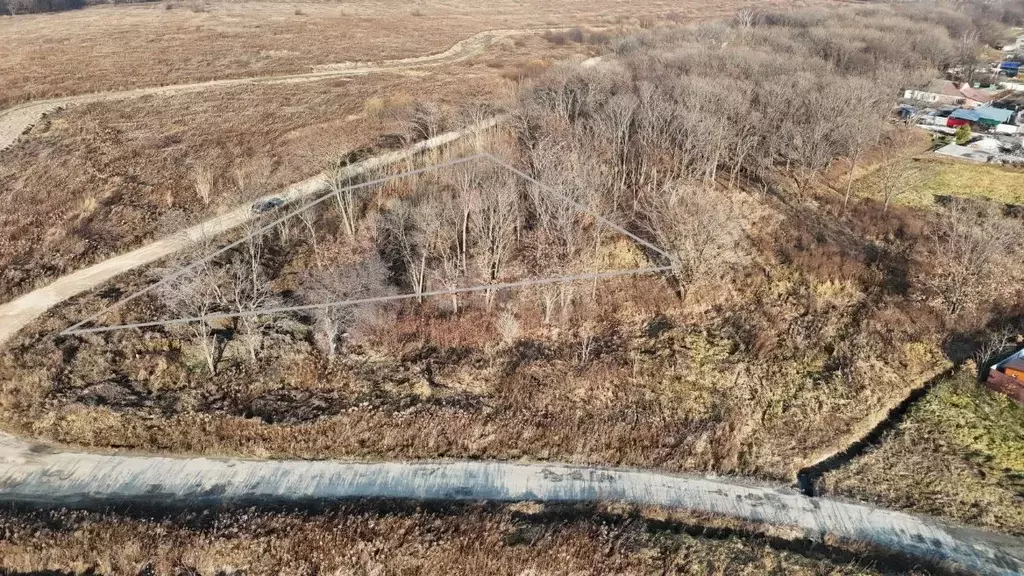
(17,313)
(42,475)
(16,120)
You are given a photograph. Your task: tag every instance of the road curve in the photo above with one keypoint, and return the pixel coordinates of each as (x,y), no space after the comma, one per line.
(17,313)
(43,476)
(16,120)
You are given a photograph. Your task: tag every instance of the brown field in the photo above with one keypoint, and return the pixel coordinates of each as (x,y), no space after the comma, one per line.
(803,323)
(806,324)
(118,47)
(383,538)
(95,180)
(737,382)
(959,454)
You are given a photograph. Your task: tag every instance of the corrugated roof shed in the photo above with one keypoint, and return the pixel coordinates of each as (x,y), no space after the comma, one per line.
(969,115)
(976,95)
(995,114)
(986,114)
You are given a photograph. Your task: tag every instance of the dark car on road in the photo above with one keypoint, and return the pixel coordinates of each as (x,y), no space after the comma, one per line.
(266,205)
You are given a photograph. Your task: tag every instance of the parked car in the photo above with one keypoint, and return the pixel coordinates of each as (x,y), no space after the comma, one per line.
(266,205)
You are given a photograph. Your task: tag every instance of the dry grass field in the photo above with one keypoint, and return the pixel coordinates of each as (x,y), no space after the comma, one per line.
(805,321)
(939,177)
(383,538)
(117,47)
(959,454)
(95,180)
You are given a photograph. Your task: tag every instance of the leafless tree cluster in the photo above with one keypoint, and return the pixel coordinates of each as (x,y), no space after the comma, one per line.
(15,7)
(366,278)
(721,103)
(236,282)
(971,248)
(654,138)
(459,229)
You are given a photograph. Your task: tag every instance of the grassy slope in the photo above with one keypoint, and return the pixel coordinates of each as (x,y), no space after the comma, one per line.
(959,454)
(953,178)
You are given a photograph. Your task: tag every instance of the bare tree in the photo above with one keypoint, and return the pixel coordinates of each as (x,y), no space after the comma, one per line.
(692,223)
(364,279)
(250,292)
(409,230)
(967,53)
(969,249)
(746,18)
(897,178)
(308,218)
(195,293)
(346,198)
(494,220)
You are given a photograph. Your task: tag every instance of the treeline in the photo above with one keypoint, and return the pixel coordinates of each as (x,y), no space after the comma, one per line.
(15,7)
(683,115)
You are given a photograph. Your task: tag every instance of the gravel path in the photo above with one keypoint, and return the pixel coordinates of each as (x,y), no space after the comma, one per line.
(17,313)
(16,120)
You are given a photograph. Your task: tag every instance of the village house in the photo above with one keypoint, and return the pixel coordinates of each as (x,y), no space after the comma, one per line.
(937,92)
(973,97)
(1007,376)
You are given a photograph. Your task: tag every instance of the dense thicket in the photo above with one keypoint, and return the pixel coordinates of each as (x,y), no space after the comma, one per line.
(15,7)
(683,115)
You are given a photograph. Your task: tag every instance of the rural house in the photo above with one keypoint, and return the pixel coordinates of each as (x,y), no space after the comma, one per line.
(937,92)
(1007,376)
(975,97)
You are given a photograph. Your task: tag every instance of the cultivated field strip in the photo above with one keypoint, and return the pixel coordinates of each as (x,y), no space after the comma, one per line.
(16,120)
(42,476)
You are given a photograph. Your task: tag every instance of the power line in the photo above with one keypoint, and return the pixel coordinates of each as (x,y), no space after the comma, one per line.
(374,300)
(263,230)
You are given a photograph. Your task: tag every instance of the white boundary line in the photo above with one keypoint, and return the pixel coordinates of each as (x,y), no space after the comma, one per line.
(77,329)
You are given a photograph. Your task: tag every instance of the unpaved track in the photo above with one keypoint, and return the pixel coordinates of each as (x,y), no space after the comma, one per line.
(17,313)
(43,476)
(16,120)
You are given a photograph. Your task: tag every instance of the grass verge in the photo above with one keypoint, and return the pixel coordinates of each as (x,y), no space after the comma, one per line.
(958,455)
(403,538)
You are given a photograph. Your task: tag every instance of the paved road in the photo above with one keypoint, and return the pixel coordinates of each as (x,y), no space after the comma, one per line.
(49,477)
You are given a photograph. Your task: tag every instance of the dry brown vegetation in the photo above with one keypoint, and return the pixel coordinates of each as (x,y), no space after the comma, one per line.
(98,179)
(812,318)
(104,48)
(395,538)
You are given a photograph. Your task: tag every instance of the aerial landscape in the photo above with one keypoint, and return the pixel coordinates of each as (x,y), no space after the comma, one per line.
(512,287)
